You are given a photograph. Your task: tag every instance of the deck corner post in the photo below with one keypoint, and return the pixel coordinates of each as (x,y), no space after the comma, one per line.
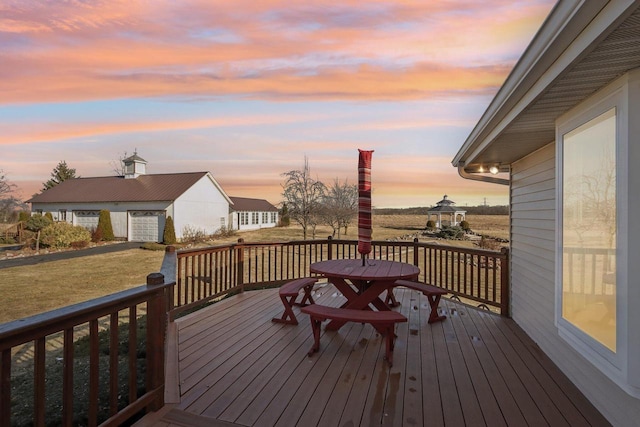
(155,279)
(415,251)
(504,283)
(329,247)
(156,333)
(240,264)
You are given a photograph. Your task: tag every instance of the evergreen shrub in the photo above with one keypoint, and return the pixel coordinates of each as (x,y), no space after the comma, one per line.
(63,234)
(169,234)
(104,224)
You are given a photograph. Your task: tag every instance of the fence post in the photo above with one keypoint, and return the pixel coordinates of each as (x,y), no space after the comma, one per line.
(504,283)
(240,264)
(329,247)
(415,251)
(156,332)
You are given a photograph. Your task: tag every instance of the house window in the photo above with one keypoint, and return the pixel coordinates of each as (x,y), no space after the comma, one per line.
(589,224)
(254,217)
(273,217)
(265,217)
(244,218)
(62,215)
(222,222)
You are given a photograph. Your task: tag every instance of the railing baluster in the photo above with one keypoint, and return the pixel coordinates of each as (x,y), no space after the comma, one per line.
(39,376)
(67,378)
(113,363)
(133,350)
(94,371)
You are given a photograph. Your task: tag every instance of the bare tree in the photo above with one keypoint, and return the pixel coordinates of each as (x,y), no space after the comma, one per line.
(6,187)
(303,196)
(340,206)
(9,204)
(117,166)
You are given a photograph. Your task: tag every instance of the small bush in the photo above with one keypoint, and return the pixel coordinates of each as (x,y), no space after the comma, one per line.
(49,216)
(23,216)
(104,224)
(96,235)
(169,234)
(193,235)
(224,232)
(431,225)
(488,243)
(451,233)
(61,234)
(7,240)
(465,225)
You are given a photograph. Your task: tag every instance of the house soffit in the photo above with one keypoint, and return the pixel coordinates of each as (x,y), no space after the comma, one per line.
(534,127)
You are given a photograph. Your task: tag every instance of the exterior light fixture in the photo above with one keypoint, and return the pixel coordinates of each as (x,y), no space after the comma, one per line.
(494,170)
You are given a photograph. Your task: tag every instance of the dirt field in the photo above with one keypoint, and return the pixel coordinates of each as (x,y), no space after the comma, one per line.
(385,227)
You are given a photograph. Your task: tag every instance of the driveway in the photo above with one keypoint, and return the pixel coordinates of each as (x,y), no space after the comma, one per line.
(56,256)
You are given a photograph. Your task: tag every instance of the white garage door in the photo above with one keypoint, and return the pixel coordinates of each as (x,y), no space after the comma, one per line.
(87,219)
(146,226)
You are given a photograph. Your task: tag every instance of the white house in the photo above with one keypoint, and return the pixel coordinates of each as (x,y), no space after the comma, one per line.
(139,203)
(564,131)
(252,214)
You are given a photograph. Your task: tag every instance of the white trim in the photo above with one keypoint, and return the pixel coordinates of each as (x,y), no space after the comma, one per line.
(613,364)
(580,22)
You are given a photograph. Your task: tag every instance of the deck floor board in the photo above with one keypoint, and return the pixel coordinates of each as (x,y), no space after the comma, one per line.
(237,367)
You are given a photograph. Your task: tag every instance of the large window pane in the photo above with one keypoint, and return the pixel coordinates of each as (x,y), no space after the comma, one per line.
(589,228)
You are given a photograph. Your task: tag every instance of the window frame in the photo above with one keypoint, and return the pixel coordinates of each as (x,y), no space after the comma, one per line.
(613,364)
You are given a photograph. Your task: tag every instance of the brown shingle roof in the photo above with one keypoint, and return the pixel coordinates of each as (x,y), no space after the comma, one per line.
(145,188)
(243,204)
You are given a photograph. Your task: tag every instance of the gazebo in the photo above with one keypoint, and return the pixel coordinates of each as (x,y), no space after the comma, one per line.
(445,208)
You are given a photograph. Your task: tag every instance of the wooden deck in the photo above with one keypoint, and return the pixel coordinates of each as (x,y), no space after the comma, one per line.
(232,366)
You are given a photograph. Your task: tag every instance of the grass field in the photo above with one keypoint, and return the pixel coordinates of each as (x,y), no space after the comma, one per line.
(33,289)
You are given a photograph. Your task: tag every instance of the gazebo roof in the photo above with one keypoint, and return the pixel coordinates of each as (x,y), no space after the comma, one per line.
(445,205)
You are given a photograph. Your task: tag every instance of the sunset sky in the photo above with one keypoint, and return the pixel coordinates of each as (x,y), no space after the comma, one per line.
(246,89)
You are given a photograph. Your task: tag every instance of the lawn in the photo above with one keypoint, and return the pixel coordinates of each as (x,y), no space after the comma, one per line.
(34,289)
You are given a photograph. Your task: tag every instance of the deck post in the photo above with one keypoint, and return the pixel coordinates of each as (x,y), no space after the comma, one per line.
(240,264)
(415,251)
(329,247)
(504,283)
(156,332)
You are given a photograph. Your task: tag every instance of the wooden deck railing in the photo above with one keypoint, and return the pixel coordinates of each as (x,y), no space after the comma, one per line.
(51,338)
(15,232)
(188,279)
(209,273)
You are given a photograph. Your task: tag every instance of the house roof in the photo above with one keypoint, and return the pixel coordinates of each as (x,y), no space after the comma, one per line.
(580,48)
(145,188)
(243,204)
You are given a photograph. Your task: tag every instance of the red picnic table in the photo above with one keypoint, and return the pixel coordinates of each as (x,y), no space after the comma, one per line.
(361,284)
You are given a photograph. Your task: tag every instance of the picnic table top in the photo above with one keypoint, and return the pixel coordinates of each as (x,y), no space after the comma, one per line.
(373,269)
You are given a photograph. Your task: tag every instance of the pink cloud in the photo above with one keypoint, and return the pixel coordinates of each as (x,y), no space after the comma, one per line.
(77,51)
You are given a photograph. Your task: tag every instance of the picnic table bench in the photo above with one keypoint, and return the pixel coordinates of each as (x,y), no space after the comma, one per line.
(289,293)
(382,320)
(433,294)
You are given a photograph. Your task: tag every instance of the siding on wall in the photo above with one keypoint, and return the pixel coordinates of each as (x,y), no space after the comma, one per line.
(201,207)
(533,249)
